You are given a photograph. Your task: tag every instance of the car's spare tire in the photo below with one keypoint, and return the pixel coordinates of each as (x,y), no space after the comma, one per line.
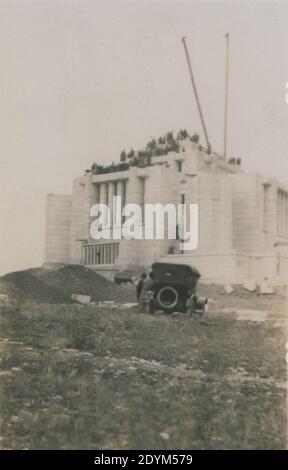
(167,298)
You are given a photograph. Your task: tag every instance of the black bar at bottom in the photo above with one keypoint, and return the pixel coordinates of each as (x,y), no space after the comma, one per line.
(129,458)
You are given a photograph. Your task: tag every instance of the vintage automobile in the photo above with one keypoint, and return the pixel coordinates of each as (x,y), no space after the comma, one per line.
(175,288)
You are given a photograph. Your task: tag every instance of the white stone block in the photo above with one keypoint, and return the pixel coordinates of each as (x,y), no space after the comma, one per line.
(228,289)
(251,315)
(211,306)
(250,285)
(82,299)
(265,289)
(4,297)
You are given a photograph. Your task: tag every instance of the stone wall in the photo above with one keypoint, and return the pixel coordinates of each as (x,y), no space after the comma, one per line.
(233,267)
(78,230)
(58,218)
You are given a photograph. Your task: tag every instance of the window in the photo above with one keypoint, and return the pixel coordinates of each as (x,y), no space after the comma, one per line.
(282,213)
(266,188)
(124,193)
(114,193)
(105,193)
(181,215)
(142,198)
(179,165)
(97,193)
(101,253)
(123,200)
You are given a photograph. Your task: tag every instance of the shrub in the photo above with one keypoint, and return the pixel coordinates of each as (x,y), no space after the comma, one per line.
(162,146)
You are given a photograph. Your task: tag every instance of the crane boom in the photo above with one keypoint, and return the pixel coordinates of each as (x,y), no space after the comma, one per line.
(226,96)
(196,95)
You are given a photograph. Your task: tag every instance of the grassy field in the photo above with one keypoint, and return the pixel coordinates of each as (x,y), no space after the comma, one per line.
(87,377)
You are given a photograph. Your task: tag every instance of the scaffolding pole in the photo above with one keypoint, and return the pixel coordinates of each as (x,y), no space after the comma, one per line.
(196,95)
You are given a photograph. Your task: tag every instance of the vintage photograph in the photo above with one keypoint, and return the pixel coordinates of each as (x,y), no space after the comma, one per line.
(144,225)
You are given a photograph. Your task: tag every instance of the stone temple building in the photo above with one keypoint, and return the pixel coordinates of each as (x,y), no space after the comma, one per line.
(243,218)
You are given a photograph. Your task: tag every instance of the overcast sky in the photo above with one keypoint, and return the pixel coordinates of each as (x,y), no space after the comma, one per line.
(79,81)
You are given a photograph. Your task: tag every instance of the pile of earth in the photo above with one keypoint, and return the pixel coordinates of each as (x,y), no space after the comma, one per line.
(56,286)
(25,287)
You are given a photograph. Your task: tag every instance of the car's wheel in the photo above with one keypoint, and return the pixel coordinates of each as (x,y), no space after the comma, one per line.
(167,298)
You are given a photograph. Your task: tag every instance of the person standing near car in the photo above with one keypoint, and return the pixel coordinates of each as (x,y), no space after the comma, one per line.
(139,286)
(147,294)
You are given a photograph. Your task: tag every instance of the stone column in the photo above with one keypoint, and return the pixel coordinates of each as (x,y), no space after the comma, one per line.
(89,201)
(110,202)
(128,190)
(103,193)
(121,191)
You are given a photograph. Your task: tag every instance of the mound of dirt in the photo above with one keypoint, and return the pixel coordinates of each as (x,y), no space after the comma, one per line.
(41,285)
(76,279)
(24,286)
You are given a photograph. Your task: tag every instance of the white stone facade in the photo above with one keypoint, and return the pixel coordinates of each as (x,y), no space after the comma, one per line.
(243,218)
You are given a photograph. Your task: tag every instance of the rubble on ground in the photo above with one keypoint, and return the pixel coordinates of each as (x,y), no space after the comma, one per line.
(251,315)
(82,299)
(250,285)
(228,289)
(265,289)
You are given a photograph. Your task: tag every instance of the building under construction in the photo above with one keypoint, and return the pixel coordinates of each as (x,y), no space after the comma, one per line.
(243,218)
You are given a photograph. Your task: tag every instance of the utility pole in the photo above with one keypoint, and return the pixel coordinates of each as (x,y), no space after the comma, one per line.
(226,96)
(196,95)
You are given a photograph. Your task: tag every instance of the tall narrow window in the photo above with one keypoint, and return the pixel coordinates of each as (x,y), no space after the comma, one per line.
(181,215)
(282,213)
(124,193)
(97,193)
(179,165)
(266,188)
(106,198)
(123,200)
(114,193)
(106,194)
(142,198)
